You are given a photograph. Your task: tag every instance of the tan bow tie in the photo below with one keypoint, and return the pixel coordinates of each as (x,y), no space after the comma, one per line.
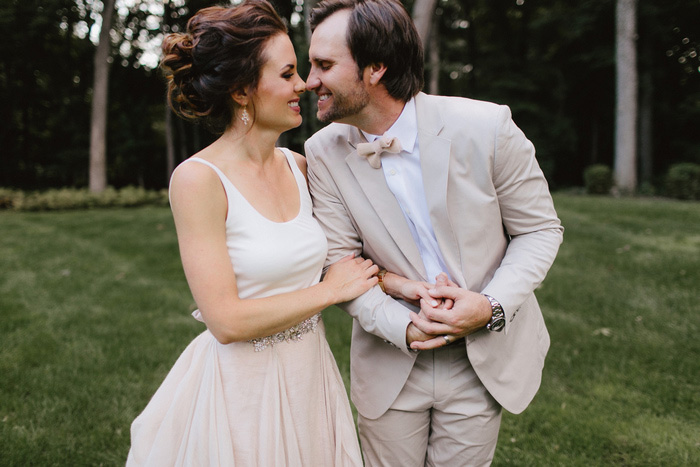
(372,151)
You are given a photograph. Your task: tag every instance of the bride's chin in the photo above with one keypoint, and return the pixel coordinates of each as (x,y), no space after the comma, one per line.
(296,125)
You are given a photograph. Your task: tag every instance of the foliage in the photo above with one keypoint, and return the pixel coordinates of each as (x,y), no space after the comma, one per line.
(80,198)
(598,179)
(8,198)
(551,61)
(95,310)
(44,94)
(683,181)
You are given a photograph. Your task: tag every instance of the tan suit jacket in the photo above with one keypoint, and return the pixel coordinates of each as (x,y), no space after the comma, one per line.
(494,221)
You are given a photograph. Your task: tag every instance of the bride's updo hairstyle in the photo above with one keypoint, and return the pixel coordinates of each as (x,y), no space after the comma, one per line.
(221,51)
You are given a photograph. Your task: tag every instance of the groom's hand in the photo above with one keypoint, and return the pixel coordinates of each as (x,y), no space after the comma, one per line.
(471,312)
(440,280)
(413,334)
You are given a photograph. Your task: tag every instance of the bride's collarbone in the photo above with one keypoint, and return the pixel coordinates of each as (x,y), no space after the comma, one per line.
(276,198)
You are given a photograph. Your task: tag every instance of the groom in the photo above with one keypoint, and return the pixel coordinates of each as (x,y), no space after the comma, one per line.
(458,191)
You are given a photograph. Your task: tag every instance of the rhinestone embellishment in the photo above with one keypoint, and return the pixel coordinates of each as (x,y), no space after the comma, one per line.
(295,333)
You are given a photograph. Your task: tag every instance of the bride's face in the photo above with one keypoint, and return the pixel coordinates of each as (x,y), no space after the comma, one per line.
(276,98)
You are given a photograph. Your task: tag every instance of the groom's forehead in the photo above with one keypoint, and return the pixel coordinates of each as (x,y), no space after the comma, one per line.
(333,30)
(321,49)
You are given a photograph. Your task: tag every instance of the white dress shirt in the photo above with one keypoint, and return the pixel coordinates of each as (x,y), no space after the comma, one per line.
(405,180)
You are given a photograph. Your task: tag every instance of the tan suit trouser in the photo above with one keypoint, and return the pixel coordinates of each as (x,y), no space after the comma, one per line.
(442,417)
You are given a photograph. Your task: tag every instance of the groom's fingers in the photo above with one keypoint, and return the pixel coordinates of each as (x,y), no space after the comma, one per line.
(442,279)
(444,291)
(433,343)
(440,314)
(422,293)
(432,327)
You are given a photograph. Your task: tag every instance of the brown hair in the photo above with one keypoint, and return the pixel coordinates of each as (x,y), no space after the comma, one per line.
(381,31)
(222,51)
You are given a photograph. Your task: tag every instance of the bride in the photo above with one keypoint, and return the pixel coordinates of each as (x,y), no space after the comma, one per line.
(259,386)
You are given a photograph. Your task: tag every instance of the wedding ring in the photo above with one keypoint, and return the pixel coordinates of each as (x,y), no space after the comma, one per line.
(448,339)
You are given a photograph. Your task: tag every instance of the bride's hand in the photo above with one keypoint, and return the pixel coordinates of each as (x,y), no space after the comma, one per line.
(350,277)
(408,290)
(413,291)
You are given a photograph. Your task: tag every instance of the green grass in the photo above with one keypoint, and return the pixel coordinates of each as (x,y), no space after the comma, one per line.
(94,310)
(622,378)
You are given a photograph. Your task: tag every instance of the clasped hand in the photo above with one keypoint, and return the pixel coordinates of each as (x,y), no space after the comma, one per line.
(446,310)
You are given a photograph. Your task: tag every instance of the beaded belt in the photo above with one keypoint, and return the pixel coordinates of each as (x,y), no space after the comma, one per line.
(295,333)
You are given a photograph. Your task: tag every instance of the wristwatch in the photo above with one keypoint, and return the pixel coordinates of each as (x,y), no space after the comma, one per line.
(380,277)
(498,316)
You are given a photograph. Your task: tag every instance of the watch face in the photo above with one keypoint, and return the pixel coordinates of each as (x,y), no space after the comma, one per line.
(497,324)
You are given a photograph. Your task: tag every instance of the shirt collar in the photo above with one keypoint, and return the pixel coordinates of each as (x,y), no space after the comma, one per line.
(405,128)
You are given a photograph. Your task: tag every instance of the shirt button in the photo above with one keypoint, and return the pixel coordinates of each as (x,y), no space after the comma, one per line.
(392,172)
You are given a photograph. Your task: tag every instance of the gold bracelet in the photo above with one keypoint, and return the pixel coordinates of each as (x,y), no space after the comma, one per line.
(380,276)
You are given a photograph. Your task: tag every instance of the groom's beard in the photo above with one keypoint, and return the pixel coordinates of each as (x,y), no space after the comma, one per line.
(345,104)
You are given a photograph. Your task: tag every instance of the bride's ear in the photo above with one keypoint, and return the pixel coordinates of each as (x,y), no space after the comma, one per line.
(240,97)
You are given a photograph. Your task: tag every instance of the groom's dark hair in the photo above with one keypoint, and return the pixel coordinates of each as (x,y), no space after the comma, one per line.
(381,31)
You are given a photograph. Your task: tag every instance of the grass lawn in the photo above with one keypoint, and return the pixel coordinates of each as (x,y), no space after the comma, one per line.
(94,310)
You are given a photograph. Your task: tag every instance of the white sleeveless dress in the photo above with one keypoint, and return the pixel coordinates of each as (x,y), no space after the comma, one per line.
(274,401)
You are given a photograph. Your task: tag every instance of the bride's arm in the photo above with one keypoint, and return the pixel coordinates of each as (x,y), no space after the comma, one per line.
(199,208)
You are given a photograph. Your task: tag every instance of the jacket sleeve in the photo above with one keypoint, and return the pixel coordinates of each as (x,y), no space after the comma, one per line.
(527,214)
(376,312)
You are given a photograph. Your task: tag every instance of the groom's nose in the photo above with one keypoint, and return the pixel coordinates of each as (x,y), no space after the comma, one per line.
(312,81)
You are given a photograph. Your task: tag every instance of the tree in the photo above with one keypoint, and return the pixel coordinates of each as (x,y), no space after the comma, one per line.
(627,84)
(423,12)
(427,21)
(552,61)
(175,16)
(44,118)
(100,100)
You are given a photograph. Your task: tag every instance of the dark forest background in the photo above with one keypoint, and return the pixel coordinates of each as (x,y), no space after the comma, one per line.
(551,61)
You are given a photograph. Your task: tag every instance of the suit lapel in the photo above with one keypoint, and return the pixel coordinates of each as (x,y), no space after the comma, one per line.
(383,202)
(435,164)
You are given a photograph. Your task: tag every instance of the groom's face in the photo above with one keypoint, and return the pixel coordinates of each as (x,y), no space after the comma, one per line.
(334,75)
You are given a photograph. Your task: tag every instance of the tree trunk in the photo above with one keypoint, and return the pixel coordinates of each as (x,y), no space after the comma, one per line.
(434,57)
(308,6)
(98,123)
(170,157)
(646,118)
(626,112)
(169,142)
(423,12)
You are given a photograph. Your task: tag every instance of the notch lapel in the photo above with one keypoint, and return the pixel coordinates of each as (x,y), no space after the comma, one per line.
(435,164)
(383,202)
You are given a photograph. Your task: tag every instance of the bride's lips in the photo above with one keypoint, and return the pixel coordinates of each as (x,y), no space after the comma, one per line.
(294,105)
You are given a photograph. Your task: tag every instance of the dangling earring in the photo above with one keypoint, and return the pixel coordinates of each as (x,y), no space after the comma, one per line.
(244,116)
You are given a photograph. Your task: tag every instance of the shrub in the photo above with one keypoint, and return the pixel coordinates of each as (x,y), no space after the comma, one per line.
(80,198)
(646,189)
(683,181)
(8,198)
(598,179)
(134,196)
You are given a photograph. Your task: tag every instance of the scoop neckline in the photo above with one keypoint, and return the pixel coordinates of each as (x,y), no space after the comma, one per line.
(288,156)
